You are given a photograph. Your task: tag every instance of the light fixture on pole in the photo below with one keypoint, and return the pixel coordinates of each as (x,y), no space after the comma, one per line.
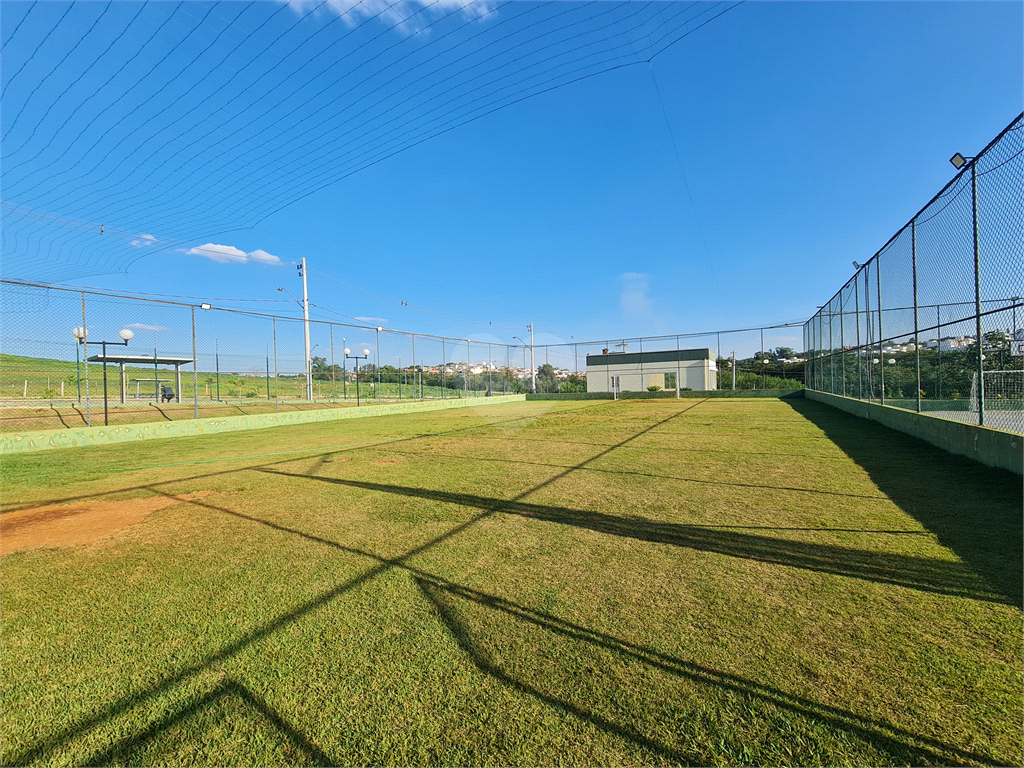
(357,358)
(959,161)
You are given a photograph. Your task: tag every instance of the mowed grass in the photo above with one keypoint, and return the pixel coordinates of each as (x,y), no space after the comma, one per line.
(751,582)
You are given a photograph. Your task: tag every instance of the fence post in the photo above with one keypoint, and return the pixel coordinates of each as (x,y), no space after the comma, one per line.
(917,334)
(334,377)
(881,335)
(216,357)
(842,342)
(277,379)
(85,354)
(195,370)
(977,294)
(860,352)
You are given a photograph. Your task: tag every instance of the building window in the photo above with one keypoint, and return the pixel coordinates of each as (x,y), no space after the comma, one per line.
(670,381)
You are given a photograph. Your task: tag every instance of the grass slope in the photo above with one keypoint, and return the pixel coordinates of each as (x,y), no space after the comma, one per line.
(657,582)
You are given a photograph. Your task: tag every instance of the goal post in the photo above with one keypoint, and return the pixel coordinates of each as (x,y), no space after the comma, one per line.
(1003,390)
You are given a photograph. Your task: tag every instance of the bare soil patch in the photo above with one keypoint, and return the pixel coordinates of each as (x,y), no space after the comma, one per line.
(70,525)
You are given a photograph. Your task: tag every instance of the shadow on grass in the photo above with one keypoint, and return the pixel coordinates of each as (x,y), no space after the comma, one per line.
(921,573)
(901,746)
(973,510)
(172,678)
(126,751)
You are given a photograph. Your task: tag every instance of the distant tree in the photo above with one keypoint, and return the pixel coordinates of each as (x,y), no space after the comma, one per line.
(546,378)
(786,352)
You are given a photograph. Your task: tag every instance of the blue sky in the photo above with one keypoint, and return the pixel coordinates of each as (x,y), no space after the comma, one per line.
(807,133)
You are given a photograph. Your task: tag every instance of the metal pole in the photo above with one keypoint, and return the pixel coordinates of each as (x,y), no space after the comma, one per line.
(869,331)
(977,294)
(489,364)
(533,365)
(268,375)
(216,354)
(377,364)
(469,356)
(105,420)
(763,380)
(938,351)
(444,384)
(334,376)
(156,379)
(917,335)
(357,382)
(842,343)
(78,370)
(85,354)
(195,370)
(679,370)
(856,310)
(305,319)
(734,369)
(399,379)
(508,369)
(414,365)
(881,333)
(344,372)
(277,379)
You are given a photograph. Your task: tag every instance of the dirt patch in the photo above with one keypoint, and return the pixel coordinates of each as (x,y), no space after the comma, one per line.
(69,525)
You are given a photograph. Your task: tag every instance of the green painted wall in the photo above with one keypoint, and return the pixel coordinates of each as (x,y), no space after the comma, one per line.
(27,442)
(992,447)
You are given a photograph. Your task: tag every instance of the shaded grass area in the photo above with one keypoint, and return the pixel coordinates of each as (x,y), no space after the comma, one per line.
(656,582)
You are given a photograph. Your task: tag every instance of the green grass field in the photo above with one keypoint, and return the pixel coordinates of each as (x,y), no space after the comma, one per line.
(755,582)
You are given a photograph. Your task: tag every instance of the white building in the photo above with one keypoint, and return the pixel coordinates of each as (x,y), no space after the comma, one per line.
(636,371)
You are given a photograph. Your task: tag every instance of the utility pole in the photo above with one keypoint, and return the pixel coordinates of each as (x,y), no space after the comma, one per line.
(305,319)
(533,367)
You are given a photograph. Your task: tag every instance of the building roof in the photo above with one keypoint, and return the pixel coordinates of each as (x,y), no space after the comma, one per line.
(139,359)
(636,358)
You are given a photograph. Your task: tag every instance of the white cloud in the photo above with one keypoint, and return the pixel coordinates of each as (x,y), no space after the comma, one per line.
(143,241)
(264,257)
(371,319)
(633,298)
(144,327)
(228,254)
(408,16)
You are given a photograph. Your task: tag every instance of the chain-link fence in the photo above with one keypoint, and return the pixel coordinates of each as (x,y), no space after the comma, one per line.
(747,358)
(185,361)
(934,322)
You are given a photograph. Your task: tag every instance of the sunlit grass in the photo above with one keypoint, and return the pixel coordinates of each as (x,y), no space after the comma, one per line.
(703,582)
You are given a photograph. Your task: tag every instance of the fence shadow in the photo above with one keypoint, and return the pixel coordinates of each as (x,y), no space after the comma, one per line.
(901,745)
(126,751)
(973,510)
(921,573)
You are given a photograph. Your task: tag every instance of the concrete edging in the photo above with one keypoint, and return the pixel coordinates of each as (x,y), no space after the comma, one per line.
(992,447)
(44,440)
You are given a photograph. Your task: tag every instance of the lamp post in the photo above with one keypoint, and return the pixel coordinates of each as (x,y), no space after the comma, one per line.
(892,361)
(126,336)
(357,358)
(344,374)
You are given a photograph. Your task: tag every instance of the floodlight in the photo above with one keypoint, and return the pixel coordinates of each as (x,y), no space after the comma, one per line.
(79,333)
(280,289)
(380,328)
(958,161)
(874,360)
(366,352)
(347,351)
(126,334)
(206,306)
(856,265)
(892,361)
